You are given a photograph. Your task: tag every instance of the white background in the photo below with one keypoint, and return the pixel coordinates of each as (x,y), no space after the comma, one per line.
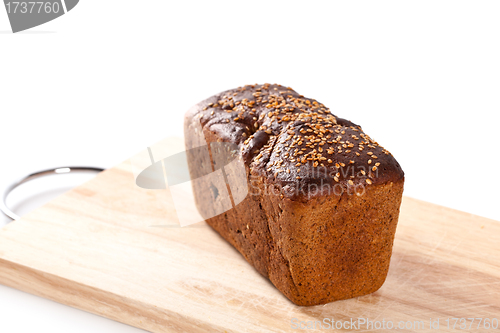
(110,78)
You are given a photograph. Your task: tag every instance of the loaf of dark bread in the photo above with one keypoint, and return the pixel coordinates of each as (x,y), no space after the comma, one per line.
(323,197)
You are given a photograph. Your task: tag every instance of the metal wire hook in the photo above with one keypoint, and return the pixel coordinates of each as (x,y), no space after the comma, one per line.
(56,171)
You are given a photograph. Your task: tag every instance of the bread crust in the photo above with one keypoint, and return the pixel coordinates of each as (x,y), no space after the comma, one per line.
(323,203)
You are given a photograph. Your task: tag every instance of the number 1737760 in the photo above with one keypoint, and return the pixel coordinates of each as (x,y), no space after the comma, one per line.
(34,7)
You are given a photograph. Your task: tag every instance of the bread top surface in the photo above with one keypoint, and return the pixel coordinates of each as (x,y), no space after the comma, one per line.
(295,142)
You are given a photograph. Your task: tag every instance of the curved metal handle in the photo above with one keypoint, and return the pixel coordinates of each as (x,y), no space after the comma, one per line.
(56,171)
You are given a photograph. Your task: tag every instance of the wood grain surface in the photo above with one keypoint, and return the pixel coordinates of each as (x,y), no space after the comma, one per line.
(99,248)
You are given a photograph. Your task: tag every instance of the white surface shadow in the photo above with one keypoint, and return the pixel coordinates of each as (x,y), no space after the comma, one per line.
(27,32)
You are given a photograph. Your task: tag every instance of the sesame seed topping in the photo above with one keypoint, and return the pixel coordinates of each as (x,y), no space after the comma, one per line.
(287,130)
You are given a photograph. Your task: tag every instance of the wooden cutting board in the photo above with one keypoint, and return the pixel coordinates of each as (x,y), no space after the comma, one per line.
(99,248)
